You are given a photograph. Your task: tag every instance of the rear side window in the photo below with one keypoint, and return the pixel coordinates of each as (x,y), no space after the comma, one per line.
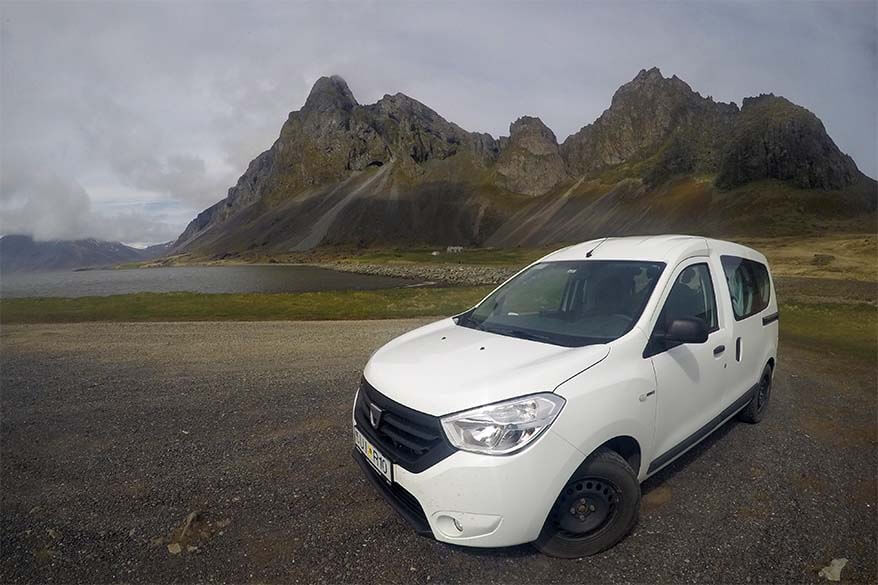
(749,285)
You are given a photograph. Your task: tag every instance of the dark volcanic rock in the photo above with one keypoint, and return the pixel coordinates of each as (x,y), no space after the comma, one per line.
(646,115)
(774,138)
(530,161)
(412,129)
(330,94)
(659,158)
(342,172)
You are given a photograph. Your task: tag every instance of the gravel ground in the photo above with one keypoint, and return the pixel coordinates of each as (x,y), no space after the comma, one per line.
(113,434)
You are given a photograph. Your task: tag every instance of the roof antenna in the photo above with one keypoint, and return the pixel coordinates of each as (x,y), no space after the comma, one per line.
(590,252)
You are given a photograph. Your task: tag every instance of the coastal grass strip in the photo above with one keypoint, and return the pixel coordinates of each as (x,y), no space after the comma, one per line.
(850,328)
(185,306)
(847,329)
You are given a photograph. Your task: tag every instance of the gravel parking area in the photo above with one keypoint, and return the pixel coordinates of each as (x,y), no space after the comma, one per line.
(220,452)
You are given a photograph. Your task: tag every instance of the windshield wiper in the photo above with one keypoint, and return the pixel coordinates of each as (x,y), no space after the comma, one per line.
(467,321)
(530,336)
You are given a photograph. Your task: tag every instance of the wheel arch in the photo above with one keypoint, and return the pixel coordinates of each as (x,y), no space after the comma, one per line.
(628,448)
(627,437)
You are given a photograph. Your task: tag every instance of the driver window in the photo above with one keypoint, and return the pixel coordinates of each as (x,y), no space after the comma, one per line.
(691,296)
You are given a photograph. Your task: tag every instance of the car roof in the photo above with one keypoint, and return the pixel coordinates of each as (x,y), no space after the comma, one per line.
(665,248)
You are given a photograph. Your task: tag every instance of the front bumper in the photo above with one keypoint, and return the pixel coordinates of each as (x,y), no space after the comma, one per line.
(479,500)
(399,499)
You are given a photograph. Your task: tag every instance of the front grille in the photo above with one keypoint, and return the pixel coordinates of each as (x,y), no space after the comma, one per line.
(411,439)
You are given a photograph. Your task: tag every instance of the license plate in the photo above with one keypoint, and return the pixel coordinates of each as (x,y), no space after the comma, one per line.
(381,463)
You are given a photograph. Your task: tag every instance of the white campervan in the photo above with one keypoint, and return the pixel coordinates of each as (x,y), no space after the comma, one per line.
(533,416)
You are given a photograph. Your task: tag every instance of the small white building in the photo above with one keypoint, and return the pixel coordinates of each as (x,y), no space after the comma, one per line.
(454,249)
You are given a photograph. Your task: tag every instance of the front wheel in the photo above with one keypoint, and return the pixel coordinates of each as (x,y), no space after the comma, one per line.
(596,509)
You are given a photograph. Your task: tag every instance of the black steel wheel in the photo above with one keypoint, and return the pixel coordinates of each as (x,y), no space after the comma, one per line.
(755,409)
(763,392)
(596,509)
(586,506)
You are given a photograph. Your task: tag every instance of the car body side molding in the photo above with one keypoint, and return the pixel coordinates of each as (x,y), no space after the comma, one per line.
(701,433)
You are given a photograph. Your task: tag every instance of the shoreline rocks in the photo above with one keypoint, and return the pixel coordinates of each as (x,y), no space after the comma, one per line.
(453,274)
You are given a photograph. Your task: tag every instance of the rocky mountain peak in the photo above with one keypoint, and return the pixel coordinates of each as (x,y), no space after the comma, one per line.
(776,138)
(650,84)
(399,104)
(417,133)
(530,161)
(765,100)
(329,94)
(641,119)
(532,135)
(653,73)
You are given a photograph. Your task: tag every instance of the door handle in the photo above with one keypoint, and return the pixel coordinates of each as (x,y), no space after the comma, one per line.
(719,349)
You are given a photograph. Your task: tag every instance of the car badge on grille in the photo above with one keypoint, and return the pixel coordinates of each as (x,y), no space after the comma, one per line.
(375,415)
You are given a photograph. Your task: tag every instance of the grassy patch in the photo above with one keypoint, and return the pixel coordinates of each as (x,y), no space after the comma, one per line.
(836,256)
(847,329)
(832,255)
(375,304)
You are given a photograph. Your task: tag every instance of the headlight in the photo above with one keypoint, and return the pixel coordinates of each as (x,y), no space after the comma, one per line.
(504,427)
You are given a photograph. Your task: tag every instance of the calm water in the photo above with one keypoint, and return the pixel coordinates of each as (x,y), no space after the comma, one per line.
(204,279)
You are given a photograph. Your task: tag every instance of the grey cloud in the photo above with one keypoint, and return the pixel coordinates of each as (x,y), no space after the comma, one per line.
(48,206)
(168,102)
(180,176)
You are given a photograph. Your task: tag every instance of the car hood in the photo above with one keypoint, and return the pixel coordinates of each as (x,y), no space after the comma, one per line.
(442,368)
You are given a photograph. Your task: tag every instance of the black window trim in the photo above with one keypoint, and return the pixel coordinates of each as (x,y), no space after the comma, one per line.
(728,286)
(769,319)
(651,350)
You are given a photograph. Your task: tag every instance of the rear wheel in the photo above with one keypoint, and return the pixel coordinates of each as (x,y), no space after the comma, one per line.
(596,509)
(755,409)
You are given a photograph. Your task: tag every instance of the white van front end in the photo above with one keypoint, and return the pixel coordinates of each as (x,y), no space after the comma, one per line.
(468,442)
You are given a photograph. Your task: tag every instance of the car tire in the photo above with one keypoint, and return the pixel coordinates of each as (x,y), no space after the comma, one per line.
(755,409)
(597,508)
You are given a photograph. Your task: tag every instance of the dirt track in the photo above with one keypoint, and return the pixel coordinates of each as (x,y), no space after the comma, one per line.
(112,434)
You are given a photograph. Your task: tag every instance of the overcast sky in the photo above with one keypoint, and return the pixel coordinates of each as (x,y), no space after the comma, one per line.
(122,120)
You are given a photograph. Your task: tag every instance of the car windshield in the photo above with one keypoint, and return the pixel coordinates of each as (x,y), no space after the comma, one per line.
(569,303)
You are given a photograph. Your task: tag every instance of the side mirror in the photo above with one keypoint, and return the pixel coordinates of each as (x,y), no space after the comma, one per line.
(689,330)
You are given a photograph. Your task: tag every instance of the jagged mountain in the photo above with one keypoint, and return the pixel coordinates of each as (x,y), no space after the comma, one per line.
(652,117)
(530,160)
(660,158)
(23,254)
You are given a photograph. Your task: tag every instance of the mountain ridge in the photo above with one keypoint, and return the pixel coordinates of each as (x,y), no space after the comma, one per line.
(397,172)
(21,253)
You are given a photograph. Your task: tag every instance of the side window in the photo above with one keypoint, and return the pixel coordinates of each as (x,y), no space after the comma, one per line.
(691,296)
(749,285)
